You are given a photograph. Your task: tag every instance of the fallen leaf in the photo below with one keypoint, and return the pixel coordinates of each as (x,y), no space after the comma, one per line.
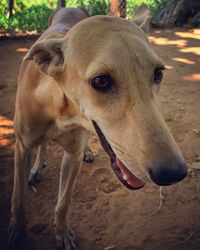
(109,248)
(195,165)
(34,189)
(196,131)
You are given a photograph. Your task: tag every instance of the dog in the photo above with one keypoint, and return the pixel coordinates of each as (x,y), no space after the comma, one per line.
(91,74)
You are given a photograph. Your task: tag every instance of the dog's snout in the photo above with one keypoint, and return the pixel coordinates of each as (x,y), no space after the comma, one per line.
(164,175)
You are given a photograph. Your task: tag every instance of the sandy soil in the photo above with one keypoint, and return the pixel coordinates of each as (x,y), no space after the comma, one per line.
(105,214)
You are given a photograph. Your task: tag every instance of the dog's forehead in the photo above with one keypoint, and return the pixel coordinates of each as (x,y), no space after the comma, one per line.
(99,27)
(108,39)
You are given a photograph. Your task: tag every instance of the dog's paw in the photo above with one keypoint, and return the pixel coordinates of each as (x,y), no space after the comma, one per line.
(34,179)
(36,176)
(88,155)
(15,237)
(66,240)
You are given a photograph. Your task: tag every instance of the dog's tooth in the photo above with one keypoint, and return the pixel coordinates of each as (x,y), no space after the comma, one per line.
(125,177)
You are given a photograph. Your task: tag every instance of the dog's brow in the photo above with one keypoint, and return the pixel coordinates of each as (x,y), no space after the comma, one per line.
(98,68)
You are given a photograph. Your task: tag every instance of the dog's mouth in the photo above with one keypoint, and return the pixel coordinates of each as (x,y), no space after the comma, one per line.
(126,177)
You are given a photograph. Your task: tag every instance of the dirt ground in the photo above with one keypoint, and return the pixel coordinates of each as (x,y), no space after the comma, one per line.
(104,214)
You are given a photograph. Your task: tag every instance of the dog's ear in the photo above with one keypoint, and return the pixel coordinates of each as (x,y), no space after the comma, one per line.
(48,56)
(142,17)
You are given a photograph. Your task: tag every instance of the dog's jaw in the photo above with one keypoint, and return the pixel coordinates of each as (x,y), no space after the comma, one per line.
(127,178)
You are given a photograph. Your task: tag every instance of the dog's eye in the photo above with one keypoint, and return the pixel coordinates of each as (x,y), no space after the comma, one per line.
(102,82)
(158,74)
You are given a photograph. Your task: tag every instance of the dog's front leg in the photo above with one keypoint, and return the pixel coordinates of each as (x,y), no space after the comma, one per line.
(69,169)
(23,159)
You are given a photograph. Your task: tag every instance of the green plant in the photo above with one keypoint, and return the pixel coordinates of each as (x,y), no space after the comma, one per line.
(94,7)
(33,14)
(153,5)
(98,7)
(27,15)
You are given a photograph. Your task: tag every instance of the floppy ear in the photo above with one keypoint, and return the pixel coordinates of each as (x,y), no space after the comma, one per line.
(48,56)
(142,17)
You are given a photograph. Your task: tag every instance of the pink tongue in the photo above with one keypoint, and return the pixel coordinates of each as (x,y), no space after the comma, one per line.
(132,179)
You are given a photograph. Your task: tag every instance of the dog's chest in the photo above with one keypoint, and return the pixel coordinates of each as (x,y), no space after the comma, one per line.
(61,126)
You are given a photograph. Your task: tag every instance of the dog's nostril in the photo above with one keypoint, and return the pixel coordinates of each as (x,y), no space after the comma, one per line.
(167,175)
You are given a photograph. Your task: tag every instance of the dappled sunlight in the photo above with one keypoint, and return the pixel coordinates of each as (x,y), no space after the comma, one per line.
(192,77)
(6,132)
(187,35)
(194,50)
(183,60)
(167,66)
(196,31)
(166,41)
(157,31)
(180,51)
(22,50)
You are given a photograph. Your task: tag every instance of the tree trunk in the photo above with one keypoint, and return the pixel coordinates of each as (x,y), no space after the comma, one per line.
(61,3)
(176,12)
(10,8)
(118,8)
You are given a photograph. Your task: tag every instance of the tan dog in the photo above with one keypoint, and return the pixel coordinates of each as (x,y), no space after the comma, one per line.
(97,78)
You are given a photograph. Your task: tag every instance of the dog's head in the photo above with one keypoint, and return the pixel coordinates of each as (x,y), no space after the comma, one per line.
(106,66)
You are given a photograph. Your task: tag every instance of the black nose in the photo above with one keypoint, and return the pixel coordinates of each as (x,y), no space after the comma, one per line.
(168,174)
